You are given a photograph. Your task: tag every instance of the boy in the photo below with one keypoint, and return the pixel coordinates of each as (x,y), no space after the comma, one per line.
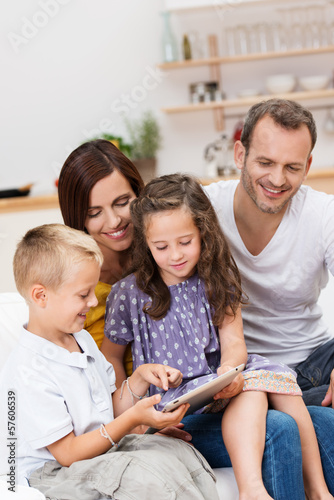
(71,420)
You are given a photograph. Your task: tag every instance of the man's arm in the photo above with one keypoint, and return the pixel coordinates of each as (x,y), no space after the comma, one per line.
(329,398)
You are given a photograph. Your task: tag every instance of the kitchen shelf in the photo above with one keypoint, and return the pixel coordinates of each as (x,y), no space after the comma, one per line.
(179,5)
(243,58)
(214,61)
(249,101)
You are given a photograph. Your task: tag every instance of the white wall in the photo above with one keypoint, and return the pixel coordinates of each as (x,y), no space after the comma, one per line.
(68,77)
(12,227)
(61,84)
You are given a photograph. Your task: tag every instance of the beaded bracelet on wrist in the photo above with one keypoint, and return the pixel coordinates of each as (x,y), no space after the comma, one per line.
(133,395)
(104,433)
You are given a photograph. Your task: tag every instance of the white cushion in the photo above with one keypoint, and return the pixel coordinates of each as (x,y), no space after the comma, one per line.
(226,484)
(13,313)
(21,492)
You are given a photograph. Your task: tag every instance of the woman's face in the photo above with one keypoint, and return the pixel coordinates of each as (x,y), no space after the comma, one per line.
(108,218)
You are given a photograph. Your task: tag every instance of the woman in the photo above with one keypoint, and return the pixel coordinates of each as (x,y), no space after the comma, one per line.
(96,185)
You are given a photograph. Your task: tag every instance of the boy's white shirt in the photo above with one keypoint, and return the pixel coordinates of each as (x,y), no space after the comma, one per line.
(57,391)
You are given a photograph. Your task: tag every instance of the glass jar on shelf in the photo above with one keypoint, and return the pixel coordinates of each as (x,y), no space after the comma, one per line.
(169,43)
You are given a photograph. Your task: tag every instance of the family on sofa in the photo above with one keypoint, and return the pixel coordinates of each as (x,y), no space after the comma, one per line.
(274,258)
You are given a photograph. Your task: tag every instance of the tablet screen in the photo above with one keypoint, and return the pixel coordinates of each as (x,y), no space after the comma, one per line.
(203,395)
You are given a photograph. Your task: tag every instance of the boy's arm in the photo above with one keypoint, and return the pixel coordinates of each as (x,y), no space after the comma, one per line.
(72,448)
(233,352)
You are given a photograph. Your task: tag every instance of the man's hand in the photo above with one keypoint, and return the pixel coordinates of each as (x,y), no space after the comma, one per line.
(329,398)
(176,431)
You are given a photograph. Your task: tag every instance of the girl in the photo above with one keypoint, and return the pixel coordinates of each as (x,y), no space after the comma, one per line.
(181,306)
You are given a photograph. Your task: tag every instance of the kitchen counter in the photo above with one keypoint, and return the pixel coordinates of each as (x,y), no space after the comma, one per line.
(24,203)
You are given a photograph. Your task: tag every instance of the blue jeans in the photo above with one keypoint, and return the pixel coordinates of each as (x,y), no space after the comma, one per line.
(313,374)
(282,460)
(323,421)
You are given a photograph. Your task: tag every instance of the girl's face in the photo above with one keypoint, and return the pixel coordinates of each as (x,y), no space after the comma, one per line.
(175,244)
(108,218)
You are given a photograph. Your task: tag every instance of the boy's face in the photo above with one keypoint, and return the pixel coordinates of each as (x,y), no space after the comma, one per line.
(66,307)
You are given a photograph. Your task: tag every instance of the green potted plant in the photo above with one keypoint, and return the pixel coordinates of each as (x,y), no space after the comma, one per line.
(118,142)
(145,138)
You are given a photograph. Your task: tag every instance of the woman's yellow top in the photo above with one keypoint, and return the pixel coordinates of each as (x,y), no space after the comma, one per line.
(94,323)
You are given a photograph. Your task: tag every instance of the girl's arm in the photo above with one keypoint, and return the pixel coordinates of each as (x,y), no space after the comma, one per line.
(115,355)
(233,352)
(232,341)
(72,448)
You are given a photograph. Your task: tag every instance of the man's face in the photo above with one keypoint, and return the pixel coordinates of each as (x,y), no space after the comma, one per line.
(277,163)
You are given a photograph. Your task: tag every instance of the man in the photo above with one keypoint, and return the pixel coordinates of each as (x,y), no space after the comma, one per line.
(282,238)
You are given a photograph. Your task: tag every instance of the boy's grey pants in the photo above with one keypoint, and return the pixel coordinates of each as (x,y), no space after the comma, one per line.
(143,467)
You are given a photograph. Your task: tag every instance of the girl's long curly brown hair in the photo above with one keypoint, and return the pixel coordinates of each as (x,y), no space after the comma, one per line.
(216,266)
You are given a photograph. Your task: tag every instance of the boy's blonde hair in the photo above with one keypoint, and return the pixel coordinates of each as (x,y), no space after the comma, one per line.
(48,253)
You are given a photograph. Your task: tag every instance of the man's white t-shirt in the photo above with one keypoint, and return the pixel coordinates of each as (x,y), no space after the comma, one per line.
(282,320)
(56,392)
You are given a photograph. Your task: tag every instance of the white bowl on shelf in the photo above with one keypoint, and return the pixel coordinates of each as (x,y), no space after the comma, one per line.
(248,93)
(280,84)
(317,82)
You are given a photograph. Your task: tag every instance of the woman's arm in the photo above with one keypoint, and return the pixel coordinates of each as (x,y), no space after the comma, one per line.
(115,355)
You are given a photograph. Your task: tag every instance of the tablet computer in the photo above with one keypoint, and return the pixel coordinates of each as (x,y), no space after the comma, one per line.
(203,395)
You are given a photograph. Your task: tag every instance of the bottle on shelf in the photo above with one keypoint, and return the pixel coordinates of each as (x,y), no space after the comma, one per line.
(186,48)
(169,44)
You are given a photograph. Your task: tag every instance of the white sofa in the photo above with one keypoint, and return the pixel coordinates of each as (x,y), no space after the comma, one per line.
(13,313)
